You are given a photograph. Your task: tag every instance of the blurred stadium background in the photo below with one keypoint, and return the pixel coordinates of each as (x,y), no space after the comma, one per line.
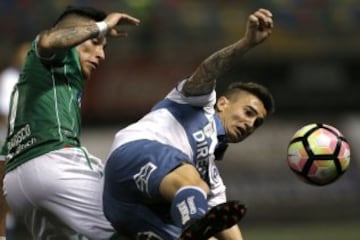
(311,64)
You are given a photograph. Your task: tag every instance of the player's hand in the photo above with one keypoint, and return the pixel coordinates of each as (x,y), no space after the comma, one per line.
(259,26)
(114,20)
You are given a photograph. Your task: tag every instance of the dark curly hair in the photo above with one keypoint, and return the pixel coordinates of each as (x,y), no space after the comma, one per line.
(254,88)
(87,12)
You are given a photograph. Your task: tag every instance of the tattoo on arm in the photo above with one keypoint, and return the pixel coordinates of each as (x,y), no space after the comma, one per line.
(204,78)
(72,36)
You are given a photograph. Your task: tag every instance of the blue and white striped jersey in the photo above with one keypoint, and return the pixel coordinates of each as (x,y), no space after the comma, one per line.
(188,124)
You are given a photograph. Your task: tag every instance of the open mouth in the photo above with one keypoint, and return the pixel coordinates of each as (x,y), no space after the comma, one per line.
(93,65)
(241,132)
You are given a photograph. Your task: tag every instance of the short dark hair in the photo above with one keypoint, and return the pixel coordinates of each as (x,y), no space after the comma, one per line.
(87,12)
(254,88)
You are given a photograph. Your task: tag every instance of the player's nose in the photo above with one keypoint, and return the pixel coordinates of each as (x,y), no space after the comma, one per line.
(100,54)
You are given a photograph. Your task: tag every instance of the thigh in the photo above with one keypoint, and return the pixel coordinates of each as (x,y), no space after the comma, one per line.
(42,224)
(136,169)
(62,184)
(133,174)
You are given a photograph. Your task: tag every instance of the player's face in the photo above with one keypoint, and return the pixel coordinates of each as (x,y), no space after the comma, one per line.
(91,53)
(241,116)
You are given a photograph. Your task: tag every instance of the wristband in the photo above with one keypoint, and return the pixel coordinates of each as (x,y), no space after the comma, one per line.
(103,28)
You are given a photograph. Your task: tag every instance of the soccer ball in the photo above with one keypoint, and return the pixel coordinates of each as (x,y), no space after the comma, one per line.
(318,154)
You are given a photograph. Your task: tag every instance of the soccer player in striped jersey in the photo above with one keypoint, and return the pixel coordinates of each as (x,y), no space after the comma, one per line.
(51,180)
(161,179)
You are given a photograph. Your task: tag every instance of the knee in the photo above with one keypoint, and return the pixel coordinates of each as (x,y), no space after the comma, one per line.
(184,175)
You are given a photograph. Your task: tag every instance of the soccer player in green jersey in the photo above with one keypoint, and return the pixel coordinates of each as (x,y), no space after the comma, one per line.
(51,180)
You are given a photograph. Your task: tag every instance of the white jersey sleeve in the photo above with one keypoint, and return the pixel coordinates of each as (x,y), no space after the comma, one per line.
(177,95)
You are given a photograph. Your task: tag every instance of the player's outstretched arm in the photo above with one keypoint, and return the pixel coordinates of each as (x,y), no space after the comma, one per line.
(258,28)
(70,33)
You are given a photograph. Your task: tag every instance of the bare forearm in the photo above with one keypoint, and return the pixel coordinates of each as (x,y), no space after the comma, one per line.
(72,36)
(258,28)
(204,78)
(60,39)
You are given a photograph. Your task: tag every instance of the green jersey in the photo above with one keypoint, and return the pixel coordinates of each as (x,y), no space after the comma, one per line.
(45,107)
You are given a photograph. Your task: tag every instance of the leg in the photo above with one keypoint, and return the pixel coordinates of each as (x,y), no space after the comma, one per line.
(155,175)
(183,187)
(59,189)
(187,192)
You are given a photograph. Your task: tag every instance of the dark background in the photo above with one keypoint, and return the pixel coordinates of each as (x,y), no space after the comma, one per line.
(310,63)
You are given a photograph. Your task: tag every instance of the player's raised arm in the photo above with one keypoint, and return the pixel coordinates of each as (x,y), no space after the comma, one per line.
(259,27)
(72,31)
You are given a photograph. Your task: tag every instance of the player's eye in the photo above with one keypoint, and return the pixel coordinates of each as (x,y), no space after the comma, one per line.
(99,41)
(250,113)
(258,122)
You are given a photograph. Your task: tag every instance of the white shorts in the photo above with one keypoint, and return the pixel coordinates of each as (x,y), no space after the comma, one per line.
(60,195)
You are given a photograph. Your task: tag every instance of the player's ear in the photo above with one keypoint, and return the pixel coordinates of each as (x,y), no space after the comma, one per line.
(221,103)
